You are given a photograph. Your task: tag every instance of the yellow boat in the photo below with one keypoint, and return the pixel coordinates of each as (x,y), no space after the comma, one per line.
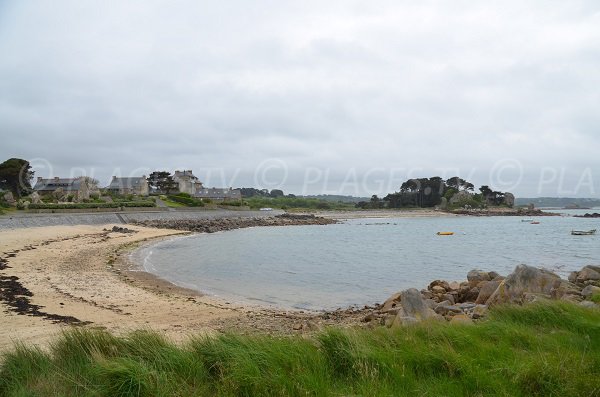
(445,233)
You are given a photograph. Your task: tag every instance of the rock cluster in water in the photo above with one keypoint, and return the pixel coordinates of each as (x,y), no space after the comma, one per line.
(217,225)
(469,300)
(588,215)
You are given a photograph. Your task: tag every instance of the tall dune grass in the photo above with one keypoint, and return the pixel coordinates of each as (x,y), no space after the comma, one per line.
(550,349)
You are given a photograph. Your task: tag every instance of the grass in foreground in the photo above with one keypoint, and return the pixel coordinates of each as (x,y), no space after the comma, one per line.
(539,350)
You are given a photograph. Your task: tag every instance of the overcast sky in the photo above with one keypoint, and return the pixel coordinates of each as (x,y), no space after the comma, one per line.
(348,97)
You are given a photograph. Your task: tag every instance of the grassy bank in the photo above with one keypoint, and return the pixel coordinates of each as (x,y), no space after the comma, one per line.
(545,350)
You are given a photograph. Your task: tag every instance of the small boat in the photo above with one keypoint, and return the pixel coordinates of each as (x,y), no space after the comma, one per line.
(583,232)
(445,233)
(526,220)
(535,223)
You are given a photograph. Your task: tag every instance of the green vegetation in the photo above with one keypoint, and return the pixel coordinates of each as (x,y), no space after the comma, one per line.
(16,176)
(185,199)
(230,203)
(286,202)
(64,206)
(162,181)
(3,205)
(430,192)
(550,349)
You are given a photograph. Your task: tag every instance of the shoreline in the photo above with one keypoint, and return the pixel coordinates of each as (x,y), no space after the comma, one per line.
(83,273)
(86,273)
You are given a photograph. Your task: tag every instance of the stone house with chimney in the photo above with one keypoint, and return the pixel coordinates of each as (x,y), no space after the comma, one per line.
(187,182)
(80,188)
(217,194)
(137,185)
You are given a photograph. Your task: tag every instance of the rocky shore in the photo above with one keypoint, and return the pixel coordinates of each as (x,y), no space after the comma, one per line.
(469,300)
(218,225)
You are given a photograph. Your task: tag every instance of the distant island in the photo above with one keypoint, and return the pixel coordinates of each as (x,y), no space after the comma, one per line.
(559,202)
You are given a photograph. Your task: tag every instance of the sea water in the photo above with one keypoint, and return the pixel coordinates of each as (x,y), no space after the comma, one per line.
(364,261)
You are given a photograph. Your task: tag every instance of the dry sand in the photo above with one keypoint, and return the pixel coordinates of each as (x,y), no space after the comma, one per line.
(80,271)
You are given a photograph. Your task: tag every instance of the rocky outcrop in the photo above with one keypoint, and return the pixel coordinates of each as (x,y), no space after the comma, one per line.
(588,274)
(487,290)
(588,215)
(223,224)
(469,300)
(409,307)
(461,197)
(509,199)
(530,280)
(9,199)
(35,198)
(589,291)
(474,277)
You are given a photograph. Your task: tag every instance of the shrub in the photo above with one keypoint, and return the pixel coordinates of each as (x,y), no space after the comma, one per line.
(233,203)
(189,201)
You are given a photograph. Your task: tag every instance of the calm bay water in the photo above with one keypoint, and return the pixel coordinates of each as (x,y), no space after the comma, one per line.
(364,261)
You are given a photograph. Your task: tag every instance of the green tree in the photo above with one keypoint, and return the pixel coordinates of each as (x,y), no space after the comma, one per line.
(276,193)
(459,184)
(16,176)
(162,181)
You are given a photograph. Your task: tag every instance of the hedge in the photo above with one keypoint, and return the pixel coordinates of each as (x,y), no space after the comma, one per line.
(189,201)
(90,205)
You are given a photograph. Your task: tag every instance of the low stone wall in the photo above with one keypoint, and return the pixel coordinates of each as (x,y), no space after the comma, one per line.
(21,220)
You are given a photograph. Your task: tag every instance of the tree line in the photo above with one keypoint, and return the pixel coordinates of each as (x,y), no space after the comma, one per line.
(431,192)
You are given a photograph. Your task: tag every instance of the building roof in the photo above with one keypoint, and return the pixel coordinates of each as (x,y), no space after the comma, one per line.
(216,193)
(183,174)
(51,184)
(126,183)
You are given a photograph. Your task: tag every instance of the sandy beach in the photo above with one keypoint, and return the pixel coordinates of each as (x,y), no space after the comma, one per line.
(82,276)
(82,272)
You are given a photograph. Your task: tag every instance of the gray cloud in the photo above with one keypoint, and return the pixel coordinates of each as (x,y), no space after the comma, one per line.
(359,92)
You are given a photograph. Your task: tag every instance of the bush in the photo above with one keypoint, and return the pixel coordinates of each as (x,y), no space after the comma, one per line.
(233,203)
(183,198)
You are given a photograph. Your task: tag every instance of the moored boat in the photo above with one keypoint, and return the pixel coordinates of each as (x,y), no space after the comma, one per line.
(583,232)
(535,223)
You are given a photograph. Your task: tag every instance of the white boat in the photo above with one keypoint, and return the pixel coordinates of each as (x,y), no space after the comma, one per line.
(583,232)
